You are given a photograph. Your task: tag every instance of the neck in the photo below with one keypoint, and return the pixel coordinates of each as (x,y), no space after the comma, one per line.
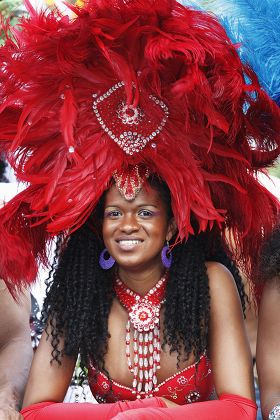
(141,282)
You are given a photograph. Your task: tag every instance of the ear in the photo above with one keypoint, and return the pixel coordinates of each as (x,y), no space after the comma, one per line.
(172,229)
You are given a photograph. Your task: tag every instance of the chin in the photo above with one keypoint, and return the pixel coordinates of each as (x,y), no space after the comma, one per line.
(126,264)
(130,263)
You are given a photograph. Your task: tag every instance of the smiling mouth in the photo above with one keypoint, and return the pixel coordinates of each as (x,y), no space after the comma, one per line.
(127,244)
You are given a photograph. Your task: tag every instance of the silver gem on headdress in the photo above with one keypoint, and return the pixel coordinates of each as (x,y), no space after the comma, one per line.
(128,126)
(129,182)
(128,114)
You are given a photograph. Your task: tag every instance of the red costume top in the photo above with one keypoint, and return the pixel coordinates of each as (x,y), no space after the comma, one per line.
(192,384)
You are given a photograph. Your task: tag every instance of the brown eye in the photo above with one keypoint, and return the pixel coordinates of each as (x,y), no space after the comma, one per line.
(112,214)
(145,213)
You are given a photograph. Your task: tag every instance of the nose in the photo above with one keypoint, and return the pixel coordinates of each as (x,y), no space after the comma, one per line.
(129,224)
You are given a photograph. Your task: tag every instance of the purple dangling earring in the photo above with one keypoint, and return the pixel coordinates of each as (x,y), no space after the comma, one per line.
(166,256)
(104,263)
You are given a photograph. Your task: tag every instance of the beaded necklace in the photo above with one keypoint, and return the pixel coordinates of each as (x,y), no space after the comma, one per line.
(143,316)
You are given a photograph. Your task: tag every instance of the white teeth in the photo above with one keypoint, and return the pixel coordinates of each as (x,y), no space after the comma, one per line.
(129,242)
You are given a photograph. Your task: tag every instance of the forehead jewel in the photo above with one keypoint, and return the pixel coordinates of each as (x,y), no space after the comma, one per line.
(130,181)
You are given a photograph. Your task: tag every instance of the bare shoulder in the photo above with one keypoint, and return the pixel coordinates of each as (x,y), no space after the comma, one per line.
(268,310)
(2,285)
(221,281)
(14,314)
(271,290)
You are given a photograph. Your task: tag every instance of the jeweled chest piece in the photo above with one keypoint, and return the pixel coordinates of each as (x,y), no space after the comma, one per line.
(144,318)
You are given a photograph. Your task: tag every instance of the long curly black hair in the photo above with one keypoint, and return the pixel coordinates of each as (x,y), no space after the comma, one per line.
(80,296)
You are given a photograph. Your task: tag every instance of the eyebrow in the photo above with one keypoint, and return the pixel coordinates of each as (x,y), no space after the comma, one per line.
(139,205)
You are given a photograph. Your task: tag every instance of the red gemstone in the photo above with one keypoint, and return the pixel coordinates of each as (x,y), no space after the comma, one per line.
(143,316)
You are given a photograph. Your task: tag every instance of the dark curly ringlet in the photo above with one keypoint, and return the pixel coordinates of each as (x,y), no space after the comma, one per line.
(3,166)
(79,299)
(270,257)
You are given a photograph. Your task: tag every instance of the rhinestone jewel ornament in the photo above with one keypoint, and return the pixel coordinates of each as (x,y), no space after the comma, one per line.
(131,128)
(144,325)
(130,181)
(275,413)
(192,397)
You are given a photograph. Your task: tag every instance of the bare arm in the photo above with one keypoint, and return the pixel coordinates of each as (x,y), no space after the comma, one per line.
(268,348)
(48,381)
(15,349)
(229,348)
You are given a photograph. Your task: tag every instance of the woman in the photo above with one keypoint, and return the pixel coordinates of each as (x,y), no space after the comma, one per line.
(268,330)
(134,233)
(135,121)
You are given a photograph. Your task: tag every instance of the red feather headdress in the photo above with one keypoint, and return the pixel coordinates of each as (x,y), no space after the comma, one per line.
(69,87)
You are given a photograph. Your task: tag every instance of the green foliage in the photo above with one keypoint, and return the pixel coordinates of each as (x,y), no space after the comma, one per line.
(10,9)
(275,170)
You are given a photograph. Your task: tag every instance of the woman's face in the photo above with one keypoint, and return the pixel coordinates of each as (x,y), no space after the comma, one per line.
(134,232)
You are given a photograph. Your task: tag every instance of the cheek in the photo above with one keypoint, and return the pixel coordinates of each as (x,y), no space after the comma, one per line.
(107,231)
(159,229)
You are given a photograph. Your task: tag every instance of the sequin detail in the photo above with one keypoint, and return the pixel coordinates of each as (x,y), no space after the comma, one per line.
(128,126)
(130,181)
(198,380)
